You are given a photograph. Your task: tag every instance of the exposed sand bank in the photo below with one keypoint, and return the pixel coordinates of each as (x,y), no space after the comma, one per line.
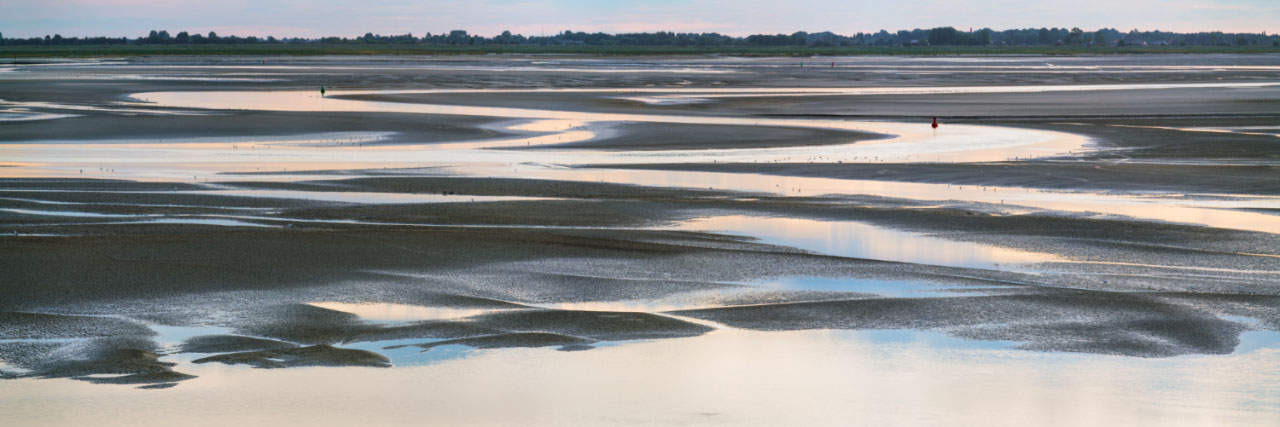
(198,258)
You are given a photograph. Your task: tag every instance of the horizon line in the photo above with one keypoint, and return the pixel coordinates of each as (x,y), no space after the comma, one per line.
(144,34)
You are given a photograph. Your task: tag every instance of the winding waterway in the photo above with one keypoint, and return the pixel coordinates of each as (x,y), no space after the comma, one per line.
(189,161)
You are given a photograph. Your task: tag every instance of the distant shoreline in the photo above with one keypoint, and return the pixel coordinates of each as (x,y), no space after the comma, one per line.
(11,53)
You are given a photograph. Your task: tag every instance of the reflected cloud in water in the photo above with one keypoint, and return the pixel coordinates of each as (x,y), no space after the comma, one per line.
(725,377)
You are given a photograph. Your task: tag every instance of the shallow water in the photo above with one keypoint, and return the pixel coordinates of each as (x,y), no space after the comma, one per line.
(722,378)
(201,221)
(860,240)
(400,313)
(22,116)
(278,102)
(73,214)
(728,376)
(959,143)
(832,65)
(362,197)
(911,143)
(764,289)
(884,288)
(1224,212)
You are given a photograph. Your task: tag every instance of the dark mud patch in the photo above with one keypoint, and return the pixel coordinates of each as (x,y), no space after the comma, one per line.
(115,360)
(230,344)
(1068,320)
(512,340)
(316,355)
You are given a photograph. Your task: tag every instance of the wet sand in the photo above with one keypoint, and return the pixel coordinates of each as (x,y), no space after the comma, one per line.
(1217,179)
(181,259)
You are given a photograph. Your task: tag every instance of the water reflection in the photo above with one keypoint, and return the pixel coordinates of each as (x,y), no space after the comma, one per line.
(200,221)
(725,377)
(960,143)
(400,313)
(728,376)
(1225,212)
(359,196)
(886,288)
(679,92)
(175,162)
(1239,130)
(74,214)
(860,240)
(912,143)
(403,353)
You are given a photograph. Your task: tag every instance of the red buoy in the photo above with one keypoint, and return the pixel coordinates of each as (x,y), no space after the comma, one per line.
(935,122)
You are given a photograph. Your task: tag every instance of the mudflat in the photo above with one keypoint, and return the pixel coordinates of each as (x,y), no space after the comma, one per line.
(169,221)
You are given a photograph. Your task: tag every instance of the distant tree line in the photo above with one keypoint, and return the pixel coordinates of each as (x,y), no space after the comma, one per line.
(940,36)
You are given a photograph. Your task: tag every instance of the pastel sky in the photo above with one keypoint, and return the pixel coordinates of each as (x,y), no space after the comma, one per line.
(312,18)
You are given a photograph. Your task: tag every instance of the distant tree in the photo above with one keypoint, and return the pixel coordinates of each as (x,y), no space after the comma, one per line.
(459,37)
(798,38)
(943,36)
(1075,37)
(504,38)
(983,36)
(159,37)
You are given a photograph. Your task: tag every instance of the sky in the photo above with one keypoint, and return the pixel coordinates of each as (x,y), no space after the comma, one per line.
(348,18)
